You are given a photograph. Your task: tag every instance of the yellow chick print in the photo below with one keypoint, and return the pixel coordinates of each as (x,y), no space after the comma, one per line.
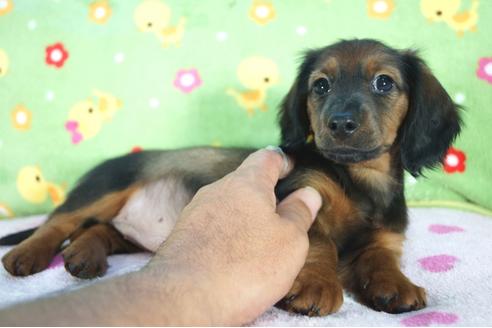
(34,188)
(87,117)
(154,16)
(448,11)
(256,74)
(4,63)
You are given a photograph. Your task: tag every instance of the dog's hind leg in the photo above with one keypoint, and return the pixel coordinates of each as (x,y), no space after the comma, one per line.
(86,255)
(35,253)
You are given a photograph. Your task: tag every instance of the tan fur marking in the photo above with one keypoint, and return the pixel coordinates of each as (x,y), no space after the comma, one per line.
(374,173)
(392,120)
(86,255)
(376,65)
(389,240)
(337,207)
(104,209)
(317,289)
(330,66)
(35,253)
(375,275)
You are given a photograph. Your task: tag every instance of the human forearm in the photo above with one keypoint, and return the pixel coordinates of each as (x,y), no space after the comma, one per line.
(141,298)
(233,254)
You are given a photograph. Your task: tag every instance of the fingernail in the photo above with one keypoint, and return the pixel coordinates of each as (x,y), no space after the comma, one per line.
(313,200)
(286,167)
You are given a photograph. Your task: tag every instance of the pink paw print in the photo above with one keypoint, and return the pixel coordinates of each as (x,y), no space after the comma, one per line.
(430,318)
(56,262)
(444,229)
(438,263)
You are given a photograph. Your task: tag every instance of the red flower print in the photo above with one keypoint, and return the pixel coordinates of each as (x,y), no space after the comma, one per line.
(136,149)
(454,161)
(56,55)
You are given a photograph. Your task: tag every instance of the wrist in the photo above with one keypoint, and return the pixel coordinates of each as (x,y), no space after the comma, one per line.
(178,297)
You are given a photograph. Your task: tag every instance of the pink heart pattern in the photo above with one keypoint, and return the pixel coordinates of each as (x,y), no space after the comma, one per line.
(444,229)
(429,318)
(438,263)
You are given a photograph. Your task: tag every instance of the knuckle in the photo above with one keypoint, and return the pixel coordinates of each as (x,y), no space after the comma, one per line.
(268,158)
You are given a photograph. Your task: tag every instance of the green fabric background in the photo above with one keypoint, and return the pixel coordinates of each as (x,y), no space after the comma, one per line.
(208,115)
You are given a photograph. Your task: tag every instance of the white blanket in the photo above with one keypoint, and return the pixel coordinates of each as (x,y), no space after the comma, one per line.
(448,252)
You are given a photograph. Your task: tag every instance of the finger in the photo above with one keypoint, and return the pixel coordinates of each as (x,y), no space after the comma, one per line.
(271,164)
(301,207)
(288,164)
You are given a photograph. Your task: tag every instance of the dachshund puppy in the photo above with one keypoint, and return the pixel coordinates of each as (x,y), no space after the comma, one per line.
(358,114)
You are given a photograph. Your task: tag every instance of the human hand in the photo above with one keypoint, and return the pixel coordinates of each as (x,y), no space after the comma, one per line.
(236,246)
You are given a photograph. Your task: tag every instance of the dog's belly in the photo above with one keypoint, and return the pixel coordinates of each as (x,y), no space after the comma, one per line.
(150,214)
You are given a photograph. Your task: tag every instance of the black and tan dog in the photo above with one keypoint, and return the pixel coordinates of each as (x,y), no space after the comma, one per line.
(358,115)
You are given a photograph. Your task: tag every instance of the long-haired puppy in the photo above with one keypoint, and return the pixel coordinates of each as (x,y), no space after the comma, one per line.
(358,114)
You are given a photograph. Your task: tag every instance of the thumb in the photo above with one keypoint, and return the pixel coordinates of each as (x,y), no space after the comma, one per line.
(301,206)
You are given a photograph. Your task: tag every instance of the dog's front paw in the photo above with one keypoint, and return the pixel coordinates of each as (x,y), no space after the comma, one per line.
(392,292)
(85,261)
(27,258)
(313,295)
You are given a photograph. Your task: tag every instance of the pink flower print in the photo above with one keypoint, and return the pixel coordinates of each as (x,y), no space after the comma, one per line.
(484,70)
(187,80)
(71,127)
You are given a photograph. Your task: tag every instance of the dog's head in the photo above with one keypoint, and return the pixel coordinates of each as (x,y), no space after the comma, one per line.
(360,98)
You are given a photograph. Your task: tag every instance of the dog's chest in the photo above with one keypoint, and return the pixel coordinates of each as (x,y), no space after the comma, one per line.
(150,214)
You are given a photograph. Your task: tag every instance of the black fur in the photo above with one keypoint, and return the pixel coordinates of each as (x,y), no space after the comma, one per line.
(428,129)
(430,126)
(432,122)
(112,175)
(15,238)
(293,118)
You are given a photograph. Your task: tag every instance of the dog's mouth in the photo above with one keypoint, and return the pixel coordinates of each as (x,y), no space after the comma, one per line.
(348,155)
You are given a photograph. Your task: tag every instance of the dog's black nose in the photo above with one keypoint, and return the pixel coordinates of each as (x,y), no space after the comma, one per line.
(342,125)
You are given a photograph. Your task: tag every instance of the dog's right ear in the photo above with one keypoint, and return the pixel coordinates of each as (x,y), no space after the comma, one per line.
(293,116)
(433,120)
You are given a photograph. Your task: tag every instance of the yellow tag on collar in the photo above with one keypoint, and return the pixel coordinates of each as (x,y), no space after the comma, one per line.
(309,138)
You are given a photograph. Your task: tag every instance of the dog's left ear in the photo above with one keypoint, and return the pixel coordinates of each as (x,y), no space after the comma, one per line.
(293,116)
(432,122)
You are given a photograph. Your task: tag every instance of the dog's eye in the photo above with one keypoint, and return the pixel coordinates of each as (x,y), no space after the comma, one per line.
(321,86)
(383,83)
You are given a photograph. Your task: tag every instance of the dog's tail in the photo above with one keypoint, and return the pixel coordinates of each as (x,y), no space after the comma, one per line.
(15,238)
